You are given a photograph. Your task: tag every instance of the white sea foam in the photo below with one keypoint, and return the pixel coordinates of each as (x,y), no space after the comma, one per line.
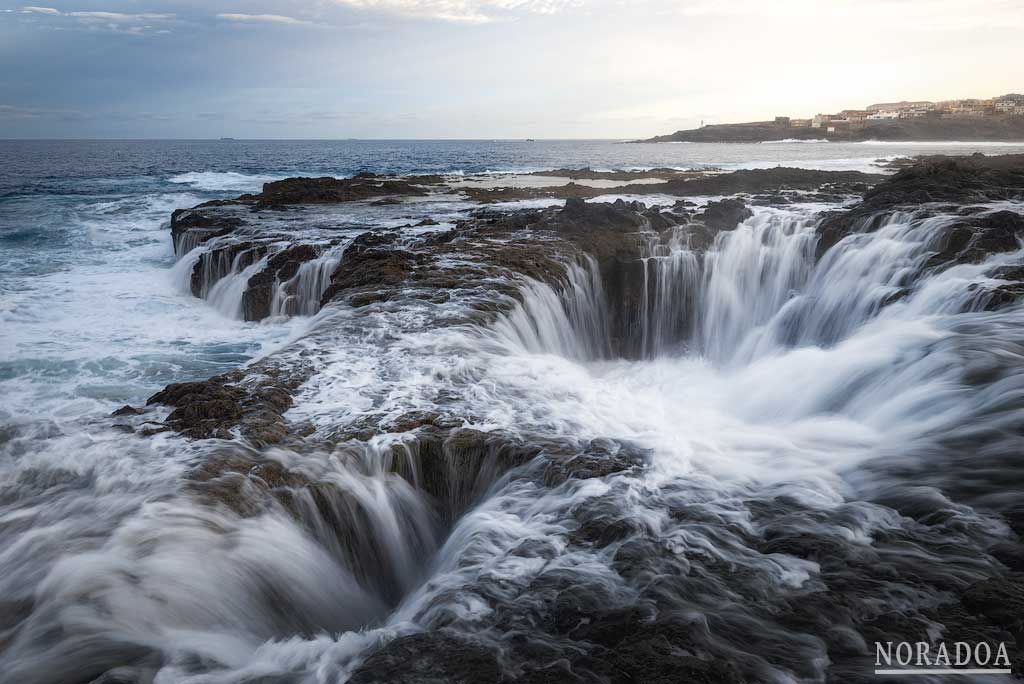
(226,181)
(790,141)
(943,143)
(864,164)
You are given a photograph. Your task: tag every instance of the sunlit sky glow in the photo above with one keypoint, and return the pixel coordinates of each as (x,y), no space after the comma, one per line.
(483,68)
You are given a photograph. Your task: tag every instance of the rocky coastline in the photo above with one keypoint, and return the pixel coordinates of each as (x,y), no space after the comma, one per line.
(473,272)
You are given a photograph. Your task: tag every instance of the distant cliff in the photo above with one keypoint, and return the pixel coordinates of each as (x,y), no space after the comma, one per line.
(999,128)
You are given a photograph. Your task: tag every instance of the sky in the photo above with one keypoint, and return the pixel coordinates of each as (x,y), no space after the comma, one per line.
(483,68)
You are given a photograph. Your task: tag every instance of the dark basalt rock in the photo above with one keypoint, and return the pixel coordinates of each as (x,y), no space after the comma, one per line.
(725,214)
(328,190)
(656,656)
(976,238)
(693,184)
(959,180)
(127,410)
(951,179)
(580,216)
(244,481)
(251,401)
(599,458)
(1010,292)
(755,181)
(201,409)
(430,658)
(191,227)
(372,266)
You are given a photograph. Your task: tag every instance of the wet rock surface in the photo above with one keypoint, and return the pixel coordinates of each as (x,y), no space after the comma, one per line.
(725,214)
(192,227)
(960,180)
(249,402)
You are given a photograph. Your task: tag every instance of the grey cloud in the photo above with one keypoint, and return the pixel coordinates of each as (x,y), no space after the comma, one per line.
(462,11)
(114,22)
(265,19)
(120,17)
(41,10)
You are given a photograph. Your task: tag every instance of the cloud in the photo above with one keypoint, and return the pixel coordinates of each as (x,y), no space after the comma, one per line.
(41,10)
(115,22)
(462,11)
(265,18)
(13,112)
(119,17)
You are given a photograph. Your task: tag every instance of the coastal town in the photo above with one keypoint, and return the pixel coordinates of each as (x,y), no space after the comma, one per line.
(852,119)
(995,119)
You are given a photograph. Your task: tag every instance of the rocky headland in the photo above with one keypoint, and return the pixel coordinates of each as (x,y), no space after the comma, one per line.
(1007,128)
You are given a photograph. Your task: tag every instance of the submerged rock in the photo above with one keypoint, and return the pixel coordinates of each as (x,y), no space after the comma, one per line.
(250,402)
(209,408)
(431,658)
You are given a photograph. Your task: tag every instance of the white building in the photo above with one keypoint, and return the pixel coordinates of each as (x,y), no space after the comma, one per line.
(904,106)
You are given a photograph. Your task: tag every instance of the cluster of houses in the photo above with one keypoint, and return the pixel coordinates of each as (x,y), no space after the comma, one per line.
(1012,104)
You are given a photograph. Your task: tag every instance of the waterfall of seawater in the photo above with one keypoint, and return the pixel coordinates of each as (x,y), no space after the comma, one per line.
(226,293)
(757,290)
(300,296)
(224,274)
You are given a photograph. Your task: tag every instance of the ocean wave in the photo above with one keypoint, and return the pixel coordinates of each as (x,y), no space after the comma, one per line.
(793,140)
(216,181)
(944,143)
(865,164)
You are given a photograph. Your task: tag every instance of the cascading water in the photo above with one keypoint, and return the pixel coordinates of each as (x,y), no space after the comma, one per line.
(573,324)
(757,290)
(671,275)
(300,296)
(226,293)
